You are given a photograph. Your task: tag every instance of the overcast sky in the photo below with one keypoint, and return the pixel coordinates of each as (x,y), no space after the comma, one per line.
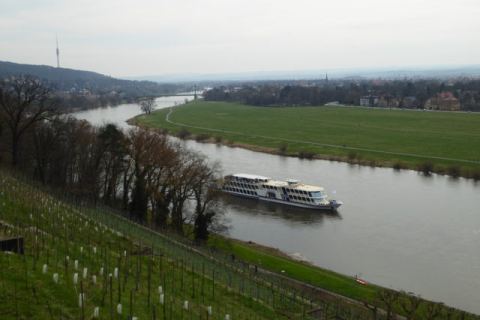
(147,37)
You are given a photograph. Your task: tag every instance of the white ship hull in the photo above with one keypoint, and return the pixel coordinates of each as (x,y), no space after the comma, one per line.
(290,192)
(333,205)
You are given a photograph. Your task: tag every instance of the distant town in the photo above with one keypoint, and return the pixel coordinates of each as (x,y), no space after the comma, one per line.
(460,94)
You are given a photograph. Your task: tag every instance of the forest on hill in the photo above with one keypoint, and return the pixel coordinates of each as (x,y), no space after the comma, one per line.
(78,89)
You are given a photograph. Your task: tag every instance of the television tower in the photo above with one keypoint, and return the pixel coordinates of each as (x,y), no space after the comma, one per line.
(58,54)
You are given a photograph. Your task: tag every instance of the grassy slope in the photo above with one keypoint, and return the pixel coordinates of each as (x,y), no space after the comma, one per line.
(276,262)
(430,134)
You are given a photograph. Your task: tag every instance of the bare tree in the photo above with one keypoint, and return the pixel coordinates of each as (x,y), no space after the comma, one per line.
(165,157)
(147,105)
(24,101)
(206,198)
(112,144)
(186,171)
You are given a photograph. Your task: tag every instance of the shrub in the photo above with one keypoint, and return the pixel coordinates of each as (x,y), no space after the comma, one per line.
(475,175)
(218,139)
(352,155)
(425,167)
(306,155)
(183,133)
(398,165)
(453,171)
(282,148)
(202,137)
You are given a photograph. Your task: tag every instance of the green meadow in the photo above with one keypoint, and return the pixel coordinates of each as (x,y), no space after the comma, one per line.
(444,142)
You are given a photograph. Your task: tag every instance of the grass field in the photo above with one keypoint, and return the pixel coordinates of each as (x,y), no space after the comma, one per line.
(447,142)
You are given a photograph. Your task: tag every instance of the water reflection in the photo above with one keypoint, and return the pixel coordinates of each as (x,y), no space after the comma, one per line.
(257,208)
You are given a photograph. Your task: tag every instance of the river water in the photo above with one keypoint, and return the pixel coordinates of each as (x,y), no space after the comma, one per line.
(398,229)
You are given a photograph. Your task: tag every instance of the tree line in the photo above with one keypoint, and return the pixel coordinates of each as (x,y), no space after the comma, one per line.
(140,171)
(319,92)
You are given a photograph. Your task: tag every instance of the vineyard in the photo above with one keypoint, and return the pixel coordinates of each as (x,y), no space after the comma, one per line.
(81,263)
(85,262)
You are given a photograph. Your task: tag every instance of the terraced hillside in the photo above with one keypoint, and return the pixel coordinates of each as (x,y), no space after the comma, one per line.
(82,263)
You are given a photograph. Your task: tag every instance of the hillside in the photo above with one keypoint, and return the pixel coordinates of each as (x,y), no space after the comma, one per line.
(78,259)
(71,80)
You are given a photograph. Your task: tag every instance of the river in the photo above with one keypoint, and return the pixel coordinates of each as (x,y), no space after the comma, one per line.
(398,229)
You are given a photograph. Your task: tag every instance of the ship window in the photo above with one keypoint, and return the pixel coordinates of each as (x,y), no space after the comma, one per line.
(317,195)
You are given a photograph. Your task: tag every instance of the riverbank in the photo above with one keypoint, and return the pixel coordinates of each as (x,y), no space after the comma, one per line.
(333,286)
(281,263)
(428,142)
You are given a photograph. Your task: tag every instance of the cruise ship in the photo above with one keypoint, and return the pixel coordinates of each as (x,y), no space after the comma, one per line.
(290,192)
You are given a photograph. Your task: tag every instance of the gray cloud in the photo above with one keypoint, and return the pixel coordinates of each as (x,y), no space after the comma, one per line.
(125,38)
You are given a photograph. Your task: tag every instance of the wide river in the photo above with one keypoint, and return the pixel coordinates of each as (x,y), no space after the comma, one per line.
(398,229)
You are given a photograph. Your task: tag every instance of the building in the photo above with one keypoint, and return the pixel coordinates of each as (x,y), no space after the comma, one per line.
(369,101)
(409,102)
(388,101)
(444,101)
